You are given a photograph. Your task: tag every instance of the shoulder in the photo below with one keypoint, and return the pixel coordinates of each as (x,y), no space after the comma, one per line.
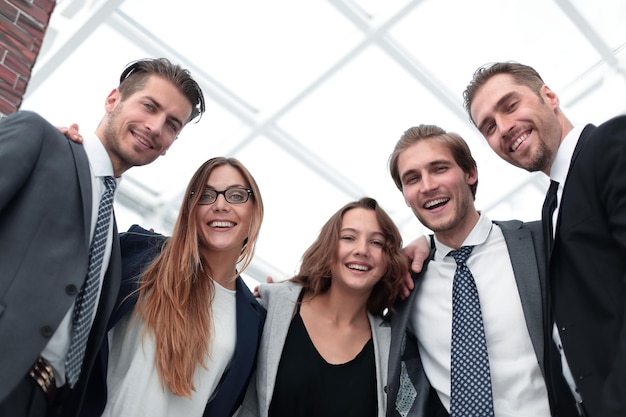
(138,236)
(280,290)
(29,120)
(610,133)
(139,247)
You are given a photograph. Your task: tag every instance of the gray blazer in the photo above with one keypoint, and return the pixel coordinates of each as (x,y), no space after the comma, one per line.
(45,221)
(280,301)
(525,245)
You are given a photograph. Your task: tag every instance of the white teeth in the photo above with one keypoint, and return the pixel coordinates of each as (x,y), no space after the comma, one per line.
(142,140)
(221,224)
(358,267)
(519,141)
(435,202)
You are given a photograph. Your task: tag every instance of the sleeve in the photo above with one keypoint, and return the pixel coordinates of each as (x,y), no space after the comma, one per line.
(611,181)
(21,143)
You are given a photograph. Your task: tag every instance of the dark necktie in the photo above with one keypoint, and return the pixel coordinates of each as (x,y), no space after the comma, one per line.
(470,378)
(86,301)
(547,212)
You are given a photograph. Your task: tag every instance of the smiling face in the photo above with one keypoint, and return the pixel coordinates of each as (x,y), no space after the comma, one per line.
(437,190)
(523,128)
(137,130)
(360,262)
(223,227)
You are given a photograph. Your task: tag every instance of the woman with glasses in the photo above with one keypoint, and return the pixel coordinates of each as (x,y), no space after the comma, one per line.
(187,327)
(325,343)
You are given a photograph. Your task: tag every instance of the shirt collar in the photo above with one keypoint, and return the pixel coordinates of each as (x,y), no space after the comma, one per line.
(560,166)
(476,237)
(99,160)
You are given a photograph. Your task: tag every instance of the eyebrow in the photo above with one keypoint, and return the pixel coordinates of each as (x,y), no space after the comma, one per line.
(431,164)
(160,107)
(210,187)
(355,231)
(505,98)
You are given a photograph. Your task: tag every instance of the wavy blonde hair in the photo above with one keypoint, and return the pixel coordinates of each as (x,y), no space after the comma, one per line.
(176,290)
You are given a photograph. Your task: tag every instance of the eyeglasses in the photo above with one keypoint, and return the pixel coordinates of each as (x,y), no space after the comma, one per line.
(234,195)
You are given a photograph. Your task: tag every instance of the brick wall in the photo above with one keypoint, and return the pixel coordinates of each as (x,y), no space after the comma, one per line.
(23,24)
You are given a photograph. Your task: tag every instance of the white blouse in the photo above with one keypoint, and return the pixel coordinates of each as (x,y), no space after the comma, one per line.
(133,384)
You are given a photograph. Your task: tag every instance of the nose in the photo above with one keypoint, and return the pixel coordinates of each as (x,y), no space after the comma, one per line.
(221,203)
(361,247)
(428,183)
(504,124)
(155,123)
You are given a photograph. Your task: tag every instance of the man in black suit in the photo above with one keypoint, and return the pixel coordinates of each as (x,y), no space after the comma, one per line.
(521,119)
(50,190)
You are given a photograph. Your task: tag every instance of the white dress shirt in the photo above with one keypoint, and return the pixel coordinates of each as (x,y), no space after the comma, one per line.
(518,386)
(558,172)
(100,166)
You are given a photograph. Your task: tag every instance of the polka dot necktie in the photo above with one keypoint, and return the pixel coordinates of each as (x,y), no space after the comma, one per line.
(470,377)
(86,301)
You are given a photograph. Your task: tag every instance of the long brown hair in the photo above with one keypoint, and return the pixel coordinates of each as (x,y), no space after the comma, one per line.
(317,262)
(176,292)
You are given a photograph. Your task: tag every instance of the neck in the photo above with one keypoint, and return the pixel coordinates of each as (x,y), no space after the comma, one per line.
(221,268)
(455,237)
(340,308)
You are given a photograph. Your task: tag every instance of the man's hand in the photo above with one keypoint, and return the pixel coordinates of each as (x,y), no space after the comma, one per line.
(417,252)
(256,294)
(71,133)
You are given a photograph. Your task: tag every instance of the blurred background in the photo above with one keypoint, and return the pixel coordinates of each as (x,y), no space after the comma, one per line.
(312,95)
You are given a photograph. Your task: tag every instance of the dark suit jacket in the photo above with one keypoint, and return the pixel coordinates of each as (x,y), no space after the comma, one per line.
(525,245)
(588,268)
(139,248)
(45,218)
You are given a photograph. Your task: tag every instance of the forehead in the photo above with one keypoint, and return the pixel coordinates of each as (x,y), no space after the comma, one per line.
(424,153)
(361,219)
(491,91)
(167,95)
(225,176)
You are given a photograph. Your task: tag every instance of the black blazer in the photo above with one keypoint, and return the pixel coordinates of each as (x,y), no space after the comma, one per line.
(139,248)
(45,218)
(588,268)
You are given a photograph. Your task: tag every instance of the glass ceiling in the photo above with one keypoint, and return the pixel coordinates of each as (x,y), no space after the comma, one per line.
(312,95)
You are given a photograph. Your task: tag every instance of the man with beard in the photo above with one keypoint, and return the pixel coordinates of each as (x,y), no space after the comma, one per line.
(451,355)
(521,119)
(59,248)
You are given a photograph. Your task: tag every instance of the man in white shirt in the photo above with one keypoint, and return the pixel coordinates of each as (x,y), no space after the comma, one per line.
(437,175)
(49,206)
(522,121)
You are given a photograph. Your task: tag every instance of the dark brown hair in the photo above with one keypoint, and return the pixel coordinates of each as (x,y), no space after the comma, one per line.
(136,73)
(455,143)
(522,74)
(315,273)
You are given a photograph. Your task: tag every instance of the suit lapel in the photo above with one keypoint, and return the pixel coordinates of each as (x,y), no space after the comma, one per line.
(83,172)
(520,245)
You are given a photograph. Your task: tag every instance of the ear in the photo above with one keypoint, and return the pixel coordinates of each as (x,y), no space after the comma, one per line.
(112,99)
(550,97)
(472,176)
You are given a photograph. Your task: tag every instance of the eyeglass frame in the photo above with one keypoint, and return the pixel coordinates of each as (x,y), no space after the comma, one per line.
(223,192)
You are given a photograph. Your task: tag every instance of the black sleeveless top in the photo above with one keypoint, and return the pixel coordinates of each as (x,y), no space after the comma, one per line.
(308,386)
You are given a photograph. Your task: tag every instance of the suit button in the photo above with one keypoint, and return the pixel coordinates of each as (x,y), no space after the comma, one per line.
(386,389)
(47,331)
(71,289)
